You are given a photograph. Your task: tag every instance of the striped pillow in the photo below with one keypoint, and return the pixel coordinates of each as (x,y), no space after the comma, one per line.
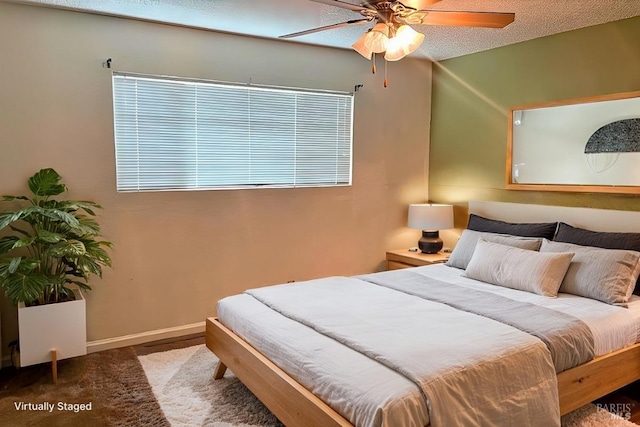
(607,275)
(466,245)
(516,268)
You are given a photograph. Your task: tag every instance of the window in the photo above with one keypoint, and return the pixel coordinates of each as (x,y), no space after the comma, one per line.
(192,135)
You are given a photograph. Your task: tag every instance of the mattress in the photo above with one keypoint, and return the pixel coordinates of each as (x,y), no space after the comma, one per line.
(369,393)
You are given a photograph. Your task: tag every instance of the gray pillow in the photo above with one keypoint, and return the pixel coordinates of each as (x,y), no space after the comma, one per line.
(607,275)
(599,239)
(463,250)
(523,229)
(516,268)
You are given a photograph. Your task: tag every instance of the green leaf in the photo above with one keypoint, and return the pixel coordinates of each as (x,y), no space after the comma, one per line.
(46,183)
(59,215)
(24,287)
(107,244)
(75,205)
(14,264)
(48,236)
(30,215)
(69,249)
(6,243)
(7,218)
(27,265)
(95,250)
(88,226)
(21,243)
(12,198)
(88,266)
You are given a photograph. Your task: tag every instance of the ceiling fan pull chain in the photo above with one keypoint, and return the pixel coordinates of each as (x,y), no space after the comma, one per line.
(373,64)
(386,82)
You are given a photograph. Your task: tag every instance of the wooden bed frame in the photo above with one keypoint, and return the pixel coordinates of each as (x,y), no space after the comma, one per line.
(296,406)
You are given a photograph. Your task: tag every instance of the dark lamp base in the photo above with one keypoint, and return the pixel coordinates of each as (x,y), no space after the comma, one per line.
(430,242)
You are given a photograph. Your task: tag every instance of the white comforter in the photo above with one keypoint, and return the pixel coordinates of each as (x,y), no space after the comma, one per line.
(460,360)
(473,370)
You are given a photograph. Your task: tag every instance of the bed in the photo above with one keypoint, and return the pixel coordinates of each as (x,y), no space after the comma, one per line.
(257,329)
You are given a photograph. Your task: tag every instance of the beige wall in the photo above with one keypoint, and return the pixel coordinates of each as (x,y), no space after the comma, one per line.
(472,96)
(177,253)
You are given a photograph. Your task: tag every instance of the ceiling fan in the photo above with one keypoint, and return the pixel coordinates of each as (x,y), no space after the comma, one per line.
(392,33)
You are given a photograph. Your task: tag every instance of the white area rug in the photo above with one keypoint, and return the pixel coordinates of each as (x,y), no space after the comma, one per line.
(182,381)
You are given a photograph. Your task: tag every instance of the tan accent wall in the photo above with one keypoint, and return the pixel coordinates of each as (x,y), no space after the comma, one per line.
(472,96)
(177,253)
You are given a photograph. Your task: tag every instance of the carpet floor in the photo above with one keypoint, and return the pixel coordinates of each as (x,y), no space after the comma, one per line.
(164,389)
(113,382)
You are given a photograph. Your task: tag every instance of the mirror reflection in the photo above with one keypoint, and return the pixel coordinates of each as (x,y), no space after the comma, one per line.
(588,145)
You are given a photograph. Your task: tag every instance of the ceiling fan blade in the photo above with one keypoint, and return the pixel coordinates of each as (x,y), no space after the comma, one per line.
(326,27)
(342,4)
(466,19)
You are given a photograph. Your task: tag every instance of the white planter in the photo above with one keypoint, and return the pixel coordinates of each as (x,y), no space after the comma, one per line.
(60,326)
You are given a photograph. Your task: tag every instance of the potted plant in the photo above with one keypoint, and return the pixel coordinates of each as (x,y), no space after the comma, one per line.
(49,250)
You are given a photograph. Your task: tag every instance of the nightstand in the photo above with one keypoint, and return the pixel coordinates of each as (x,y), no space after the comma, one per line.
(403,258)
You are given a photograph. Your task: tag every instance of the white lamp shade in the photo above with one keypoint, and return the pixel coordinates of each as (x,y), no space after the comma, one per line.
(405,42)
(395,50)
(411,39)
(377,38)
(361,47)
(430,216)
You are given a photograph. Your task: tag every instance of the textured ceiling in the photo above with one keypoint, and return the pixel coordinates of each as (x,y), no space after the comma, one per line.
(272,18)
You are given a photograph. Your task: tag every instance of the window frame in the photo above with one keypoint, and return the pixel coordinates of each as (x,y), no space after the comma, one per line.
(346,127)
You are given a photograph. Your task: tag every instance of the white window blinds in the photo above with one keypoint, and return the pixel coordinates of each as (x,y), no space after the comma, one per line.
(190,135)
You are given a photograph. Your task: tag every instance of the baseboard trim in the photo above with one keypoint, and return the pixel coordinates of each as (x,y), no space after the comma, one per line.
(144,337)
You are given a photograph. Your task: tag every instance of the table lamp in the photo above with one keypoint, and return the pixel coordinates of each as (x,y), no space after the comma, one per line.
(430,218)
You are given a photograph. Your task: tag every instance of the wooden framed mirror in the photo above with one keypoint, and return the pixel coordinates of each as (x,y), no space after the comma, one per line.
(586,145)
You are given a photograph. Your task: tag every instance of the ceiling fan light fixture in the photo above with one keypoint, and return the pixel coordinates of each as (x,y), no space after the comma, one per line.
(395,50)
(361,47)
(392,34)
(406,41)
(378,38)
(410,38)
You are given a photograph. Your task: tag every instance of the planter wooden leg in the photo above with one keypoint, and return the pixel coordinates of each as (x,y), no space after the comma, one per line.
(220,370)
(54,365)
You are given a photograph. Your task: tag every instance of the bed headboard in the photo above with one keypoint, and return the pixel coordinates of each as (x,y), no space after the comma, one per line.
(590,218)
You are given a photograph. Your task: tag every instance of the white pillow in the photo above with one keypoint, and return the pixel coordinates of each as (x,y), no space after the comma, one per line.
(607,275)
(463,250)
(516,268)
